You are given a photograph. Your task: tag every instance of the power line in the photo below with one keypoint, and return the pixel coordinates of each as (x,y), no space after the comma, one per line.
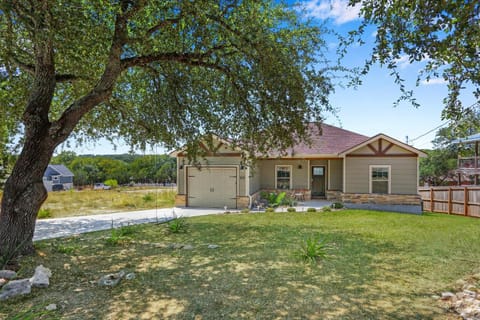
(429,131)
(441,125)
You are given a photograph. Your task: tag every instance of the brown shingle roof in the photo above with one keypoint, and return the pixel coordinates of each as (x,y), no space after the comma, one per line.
(331,141)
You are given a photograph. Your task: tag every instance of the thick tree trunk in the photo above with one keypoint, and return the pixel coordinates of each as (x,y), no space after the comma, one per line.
(23,195)
(24,192)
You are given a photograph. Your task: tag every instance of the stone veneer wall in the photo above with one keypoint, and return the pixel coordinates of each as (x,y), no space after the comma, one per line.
(334,195)
(243,202)
(408,203)
(407,199)
(180,200)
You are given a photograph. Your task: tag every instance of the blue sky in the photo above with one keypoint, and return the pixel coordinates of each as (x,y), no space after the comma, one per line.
(368,109)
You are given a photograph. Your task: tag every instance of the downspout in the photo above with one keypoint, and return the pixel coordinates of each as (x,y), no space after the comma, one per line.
(247,186)
(344,186)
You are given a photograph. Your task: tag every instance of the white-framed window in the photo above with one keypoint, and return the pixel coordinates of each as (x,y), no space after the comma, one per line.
(380,179)
(283,177)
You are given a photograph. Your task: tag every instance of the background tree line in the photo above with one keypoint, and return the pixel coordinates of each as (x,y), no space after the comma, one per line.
(125,168)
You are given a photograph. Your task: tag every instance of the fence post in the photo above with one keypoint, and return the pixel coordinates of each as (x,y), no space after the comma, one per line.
(450,196)
(432,203)
(465,201)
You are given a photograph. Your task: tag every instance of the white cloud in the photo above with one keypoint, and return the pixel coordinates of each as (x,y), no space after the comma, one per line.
(338,10)
(402,62)
(433,81)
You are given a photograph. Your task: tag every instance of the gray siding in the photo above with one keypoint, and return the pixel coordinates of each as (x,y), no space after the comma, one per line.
(336,175)
(212,161)
(266,171)
(403,174)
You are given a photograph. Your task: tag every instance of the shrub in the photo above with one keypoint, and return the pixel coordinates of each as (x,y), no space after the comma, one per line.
(44,213)
(291,210)
(311,210)
(177,225)
(326,209)
(112,183)
(337,205)
(270,210)
(246,210)
(274,199)
(313,249)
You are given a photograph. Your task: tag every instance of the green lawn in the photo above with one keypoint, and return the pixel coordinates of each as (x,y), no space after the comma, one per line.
(380,266)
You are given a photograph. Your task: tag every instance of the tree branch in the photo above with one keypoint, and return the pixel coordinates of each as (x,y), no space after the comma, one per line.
(61,129)
(183,57)
(163,24)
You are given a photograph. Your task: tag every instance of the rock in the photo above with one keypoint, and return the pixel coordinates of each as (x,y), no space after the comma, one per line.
(111,280)
(188,247)
(41,277)
(7,274)
(130,276)
(213,246)
(15,288)
(51,307)
(476,276)
(447,295)
(470,294)
(175,246)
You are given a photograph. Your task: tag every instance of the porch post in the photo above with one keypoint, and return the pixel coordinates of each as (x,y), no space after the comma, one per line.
(309,170)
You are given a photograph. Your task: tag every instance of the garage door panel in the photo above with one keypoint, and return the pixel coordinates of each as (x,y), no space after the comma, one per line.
(212,187)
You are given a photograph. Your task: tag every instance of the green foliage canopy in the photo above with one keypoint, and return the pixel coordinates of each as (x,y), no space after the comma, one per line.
(445,35)
(241,69)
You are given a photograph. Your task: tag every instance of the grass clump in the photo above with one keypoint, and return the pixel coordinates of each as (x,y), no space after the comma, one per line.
(177,225)
(148,197)
(246,210)
(326,209)
(44,213)
(313,249)
(311,210)
(120,235)
(63,248)
(270,210)
(291,209)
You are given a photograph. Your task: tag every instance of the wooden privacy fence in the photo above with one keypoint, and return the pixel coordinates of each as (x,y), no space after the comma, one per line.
(452,200)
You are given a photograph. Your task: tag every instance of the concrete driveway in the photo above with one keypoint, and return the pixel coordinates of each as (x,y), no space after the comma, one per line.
(63,227)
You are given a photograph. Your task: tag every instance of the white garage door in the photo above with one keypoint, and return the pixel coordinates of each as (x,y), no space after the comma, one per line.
(212,187)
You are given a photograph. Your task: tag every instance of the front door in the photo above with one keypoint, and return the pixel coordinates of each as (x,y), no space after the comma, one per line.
(318,181)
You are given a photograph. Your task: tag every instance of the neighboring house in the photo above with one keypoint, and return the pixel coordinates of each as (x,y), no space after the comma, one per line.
(57,177)
(363,172)
(469,167)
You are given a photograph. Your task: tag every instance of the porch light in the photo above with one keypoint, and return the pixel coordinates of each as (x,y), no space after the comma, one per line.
(299,166)
(241,165)
(182,164)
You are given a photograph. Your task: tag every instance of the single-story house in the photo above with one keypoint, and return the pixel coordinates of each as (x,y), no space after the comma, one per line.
(57,177)
(376,172)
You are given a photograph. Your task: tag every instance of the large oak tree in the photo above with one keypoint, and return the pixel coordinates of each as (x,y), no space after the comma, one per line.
(148,71)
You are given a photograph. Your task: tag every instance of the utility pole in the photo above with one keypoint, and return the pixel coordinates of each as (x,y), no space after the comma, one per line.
(406,139)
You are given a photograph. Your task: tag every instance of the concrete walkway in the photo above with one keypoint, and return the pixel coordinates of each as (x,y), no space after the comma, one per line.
(64,227)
